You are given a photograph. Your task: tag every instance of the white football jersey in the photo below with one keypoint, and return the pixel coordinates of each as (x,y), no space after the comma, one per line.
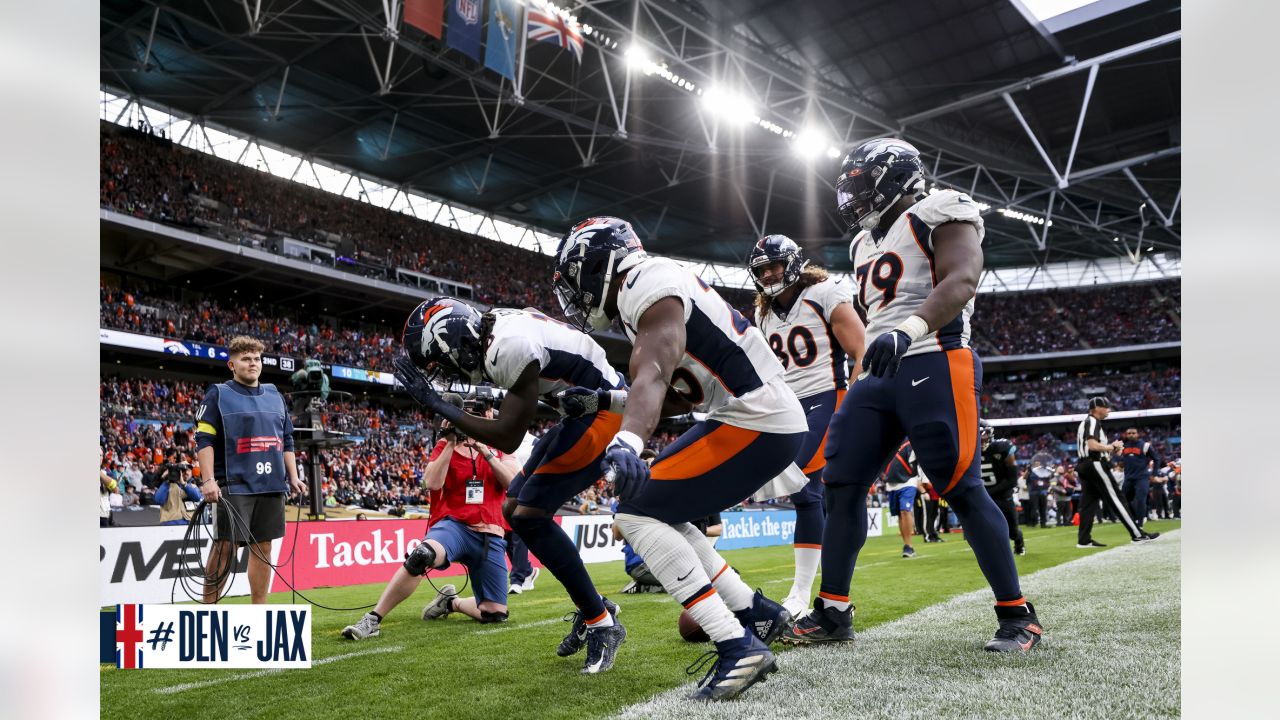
(896,274)
(804,342)
(566,357)
(728,370)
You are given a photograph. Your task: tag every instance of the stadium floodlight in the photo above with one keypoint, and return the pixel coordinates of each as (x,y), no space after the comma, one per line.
(834,152)
(729,105)
(809,143)
(638,58)
(1024,217)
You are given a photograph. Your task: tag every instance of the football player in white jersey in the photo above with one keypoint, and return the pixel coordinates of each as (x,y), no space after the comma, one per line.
(687,339)
(809,322)
(533,357)
(917,259)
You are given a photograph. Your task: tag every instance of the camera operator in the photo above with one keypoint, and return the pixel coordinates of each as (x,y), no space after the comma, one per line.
(244,442)
(175,491)
(106,486)
(468,482)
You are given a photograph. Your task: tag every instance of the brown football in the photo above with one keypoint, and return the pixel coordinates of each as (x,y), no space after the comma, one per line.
(690,630)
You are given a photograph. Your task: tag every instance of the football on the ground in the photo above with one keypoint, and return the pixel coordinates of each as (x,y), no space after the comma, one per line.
(690,630)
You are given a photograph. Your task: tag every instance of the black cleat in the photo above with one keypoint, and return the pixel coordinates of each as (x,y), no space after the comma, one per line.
(765,618)
(577,636)
(908,551)
(1090,544)
(602,647)
(1019,629)
(1146,537)
(1020,549)
(821,625)
(739,664)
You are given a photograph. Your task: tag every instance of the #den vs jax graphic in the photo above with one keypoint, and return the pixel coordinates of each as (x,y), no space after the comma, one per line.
(234,636)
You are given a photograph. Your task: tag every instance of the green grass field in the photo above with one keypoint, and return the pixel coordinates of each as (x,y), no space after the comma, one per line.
(456,668)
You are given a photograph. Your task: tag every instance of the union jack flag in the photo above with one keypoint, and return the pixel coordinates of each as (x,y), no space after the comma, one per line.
(545,25)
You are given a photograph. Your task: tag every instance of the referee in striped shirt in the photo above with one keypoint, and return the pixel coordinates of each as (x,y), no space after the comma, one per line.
(1096,481)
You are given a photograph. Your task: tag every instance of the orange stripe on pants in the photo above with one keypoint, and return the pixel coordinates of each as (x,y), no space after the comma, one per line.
(819,461)
(963,384)
(704,454)
(588,447)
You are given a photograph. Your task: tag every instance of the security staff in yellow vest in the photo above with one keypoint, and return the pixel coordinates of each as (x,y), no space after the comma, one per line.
(244,443)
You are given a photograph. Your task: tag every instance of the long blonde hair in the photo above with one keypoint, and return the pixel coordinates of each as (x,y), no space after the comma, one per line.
(811,275)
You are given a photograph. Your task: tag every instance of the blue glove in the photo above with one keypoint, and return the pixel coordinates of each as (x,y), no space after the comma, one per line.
(622,465)
(884,354)
(415,382)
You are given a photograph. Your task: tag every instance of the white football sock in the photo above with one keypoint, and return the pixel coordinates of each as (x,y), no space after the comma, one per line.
(807,560)
(737,595)
(674,562)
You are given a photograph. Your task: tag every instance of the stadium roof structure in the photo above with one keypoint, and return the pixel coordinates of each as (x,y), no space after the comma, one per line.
(708,123)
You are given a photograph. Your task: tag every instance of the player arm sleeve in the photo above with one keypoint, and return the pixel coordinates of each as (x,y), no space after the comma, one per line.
(649,285)
(837,292)
(208,420)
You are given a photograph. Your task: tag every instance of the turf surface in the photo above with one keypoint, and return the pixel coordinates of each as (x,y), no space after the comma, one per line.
(456,668)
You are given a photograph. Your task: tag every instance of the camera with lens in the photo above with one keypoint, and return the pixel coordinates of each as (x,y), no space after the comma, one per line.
(173,469)
(480,401)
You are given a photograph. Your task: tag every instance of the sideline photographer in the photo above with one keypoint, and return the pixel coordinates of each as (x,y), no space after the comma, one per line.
(468,481)
(175,491)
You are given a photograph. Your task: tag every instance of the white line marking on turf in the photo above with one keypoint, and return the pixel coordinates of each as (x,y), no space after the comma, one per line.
(522,626)
(1102,640)
(259,673)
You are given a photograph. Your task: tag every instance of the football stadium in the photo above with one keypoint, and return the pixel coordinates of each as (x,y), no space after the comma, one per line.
(705,358)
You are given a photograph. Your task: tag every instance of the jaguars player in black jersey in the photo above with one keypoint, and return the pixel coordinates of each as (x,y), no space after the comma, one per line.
(1000,476)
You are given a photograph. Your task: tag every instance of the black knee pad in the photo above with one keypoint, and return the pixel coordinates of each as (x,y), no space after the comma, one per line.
(419,560)
(487,617)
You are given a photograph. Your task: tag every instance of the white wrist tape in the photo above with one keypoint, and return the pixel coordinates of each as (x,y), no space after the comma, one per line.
(630,439)
(915,327)
(617,401)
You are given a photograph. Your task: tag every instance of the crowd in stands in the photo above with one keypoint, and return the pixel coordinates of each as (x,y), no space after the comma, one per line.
(138,310)
(1061,444)
(1040,393)
(1075,318)
(148,176)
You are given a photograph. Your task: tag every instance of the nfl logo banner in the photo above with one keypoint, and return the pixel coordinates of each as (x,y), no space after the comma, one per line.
(504,35)
(464,27)
(228,636)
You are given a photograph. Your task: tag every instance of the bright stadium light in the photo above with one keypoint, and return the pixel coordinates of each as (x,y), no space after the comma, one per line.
(834,152)
(1024,217)
(638,58)
(728,105)
(809,143)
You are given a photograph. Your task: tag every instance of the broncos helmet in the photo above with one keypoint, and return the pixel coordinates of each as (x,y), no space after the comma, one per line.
(588,258)
(779,249)
(442,336)
(986,433)
(875,176)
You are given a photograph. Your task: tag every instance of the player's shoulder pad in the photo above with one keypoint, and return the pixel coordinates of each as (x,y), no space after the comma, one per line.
(947,206)
(650,281)
(856,243)
(833,291)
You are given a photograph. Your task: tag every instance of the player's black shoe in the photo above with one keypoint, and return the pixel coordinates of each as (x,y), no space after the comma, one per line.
(821,625)
(1020,548)
(765,618)
(739,664)
(577,636)
(1146,537)
(1019,629)
(1090,544)
(602,646)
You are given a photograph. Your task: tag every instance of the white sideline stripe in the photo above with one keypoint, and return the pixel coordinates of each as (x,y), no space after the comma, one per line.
(522,626)
(259,673)
(852,680)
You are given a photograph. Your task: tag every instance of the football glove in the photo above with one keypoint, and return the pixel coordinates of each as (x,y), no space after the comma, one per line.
(415,382)
(578,401)
(622,465)
(885,353)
